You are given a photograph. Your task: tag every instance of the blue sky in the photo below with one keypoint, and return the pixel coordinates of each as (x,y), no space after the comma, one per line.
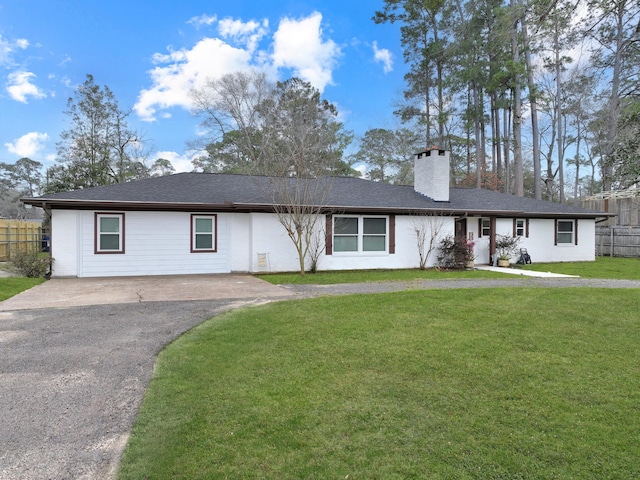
(150,53)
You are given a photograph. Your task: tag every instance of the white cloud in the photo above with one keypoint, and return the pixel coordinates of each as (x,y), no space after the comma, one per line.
(65,60)
(383,56)
(28,145)
(181,163)
(203,19)
(7,48)
(298,44)
(249,34)
(20,87)
(180,71)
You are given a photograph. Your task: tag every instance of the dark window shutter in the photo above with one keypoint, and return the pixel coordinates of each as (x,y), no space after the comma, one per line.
(575,234)
(527,228)
(392,234)
(515,227)
(328,235)
(479,228)
(555,232)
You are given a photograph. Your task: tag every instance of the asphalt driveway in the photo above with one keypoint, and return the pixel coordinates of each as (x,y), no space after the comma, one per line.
(72,376)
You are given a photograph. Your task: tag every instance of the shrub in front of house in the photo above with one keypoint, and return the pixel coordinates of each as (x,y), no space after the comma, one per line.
(455,253)
(31,264)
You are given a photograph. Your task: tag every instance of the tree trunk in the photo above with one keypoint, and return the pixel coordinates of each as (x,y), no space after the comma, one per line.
(498,143)
(478,135)
(614,99)
(533,107)
(577,177)
(507,150)
(560,130)
(517,110)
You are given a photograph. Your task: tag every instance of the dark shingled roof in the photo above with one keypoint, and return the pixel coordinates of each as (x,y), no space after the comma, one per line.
(209,191)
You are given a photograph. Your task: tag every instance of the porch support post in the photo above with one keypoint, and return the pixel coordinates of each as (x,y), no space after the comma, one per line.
(492,240)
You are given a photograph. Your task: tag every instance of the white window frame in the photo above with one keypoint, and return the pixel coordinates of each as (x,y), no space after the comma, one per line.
(213,233)
(99,233)
(521,227)
(572,233)
(485,230)
(360,235)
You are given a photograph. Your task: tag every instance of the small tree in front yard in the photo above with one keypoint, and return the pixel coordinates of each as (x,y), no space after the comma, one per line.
(427,229)
(316,247)
(298,204)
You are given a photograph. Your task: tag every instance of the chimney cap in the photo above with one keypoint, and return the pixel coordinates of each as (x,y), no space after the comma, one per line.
(427,151)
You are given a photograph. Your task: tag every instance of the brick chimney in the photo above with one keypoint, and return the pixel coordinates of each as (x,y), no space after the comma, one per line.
(431,174)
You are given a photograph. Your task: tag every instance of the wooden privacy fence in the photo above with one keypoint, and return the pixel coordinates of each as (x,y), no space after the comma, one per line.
(19,236)
(618,241)
(627,209)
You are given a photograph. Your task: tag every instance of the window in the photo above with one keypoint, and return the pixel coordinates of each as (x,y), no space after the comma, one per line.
(519,230)
(360,234)
(564,231)
(374,234)
(109,233)
(203,233)
(345,231)
(485,227)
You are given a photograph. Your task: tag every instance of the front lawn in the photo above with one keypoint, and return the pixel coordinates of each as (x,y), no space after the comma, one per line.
(465,384)
(603,267)
(13,285)
(359,276)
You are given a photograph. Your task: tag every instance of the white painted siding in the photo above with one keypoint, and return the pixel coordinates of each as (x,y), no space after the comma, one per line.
(406,252)
(240,242)
(65,238)
(541,241)
(282,255)
(269,237)
(158,243)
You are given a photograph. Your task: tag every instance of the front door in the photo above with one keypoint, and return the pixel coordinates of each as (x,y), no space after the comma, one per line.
(461,228)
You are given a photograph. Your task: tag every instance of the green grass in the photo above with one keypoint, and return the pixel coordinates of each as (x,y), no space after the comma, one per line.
(603,267)
(359,276)
(443,384)
(13,285)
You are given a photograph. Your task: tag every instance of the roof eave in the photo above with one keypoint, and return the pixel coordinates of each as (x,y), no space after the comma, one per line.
(69,204)
(263,207)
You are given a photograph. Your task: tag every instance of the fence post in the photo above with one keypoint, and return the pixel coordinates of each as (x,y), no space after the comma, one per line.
(9,241)
(612,253)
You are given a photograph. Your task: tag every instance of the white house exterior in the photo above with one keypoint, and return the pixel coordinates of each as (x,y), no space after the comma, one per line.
(201,223)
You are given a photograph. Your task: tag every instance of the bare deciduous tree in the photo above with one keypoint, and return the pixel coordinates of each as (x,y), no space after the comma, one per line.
(286,134)
(427,229)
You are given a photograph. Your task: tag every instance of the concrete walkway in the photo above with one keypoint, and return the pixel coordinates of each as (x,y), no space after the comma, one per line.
(523,272)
